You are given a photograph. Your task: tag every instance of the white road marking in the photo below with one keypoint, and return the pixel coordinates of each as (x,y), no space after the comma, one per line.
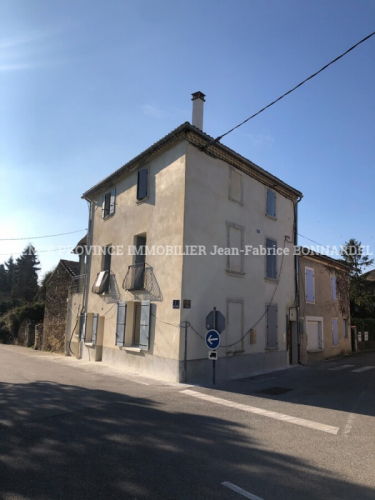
(349,424)
(363,369)
(239,490)
(265,413)
(342,367)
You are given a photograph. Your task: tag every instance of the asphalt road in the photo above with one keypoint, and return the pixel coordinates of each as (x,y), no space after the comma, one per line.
(75,430)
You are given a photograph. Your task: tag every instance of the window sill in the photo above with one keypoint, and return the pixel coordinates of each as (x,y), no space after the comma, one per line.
(271,349)
(233,353)
(334,346)
(108,216)
(270,217)
(89,344)
(314,350)
(310,303)
(132,349)
(236,274)
(139,202)
(271,280)
(241,203)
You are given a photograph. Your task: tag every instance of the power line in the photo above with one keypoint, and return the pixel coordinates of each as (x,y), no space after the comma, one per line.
(62,249)
(38,237)
(289,91)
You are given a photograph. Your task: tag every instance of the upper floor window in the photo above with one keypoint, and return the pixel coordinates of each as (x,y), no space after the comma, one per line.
(235,186)
(108,203)
(309,285)
(271,203)
(333,288)
(235,243)
(271,262)
(142,185)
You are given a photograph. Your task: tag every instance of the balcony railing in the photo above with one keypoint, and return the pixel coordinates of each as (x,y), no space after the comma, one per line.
(77,284)
(140,277)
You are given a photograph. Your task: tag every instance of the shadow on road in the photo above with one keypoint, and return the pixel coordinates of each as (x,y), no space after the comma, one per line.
(67,442)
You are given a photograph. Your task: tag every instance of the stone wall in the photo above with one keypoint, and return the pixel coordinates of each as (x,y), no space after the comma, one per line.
(54,325)
(38,337)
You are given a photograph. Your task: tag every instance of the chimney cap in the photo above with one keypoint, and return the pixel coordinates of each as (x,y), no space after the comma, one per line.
(198,95)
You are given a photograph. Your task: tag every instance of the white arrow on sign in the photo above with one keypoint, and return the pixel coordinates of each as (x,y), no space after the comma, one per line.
(211,339)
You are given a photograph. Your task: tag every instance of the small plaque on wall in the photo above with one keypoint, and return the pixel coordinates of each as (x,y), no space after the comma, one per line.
(176,304)
(187,304)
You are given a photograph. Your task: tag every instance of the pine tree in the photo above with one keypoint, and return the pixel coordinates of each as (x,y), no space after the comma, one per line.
(26,275)
(10,267)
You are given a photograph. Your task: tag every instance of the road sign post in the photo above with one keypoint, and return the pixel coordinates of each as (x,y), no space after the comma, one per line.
(215,324)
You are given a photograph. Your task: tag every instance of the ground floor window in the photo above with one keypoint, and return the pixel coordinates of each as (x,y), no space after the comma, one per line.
(314,332)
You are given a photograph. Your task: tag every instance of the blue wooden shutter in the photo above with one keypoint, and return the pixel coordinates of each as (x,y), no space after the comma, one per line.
(271,203)
(272,341)
(103,206)
(82,326)
(112,201)
(144,336)
(309,285)
(271,271)
(142,184)
(121,322)
(333,288)
(94,328)
(335,337)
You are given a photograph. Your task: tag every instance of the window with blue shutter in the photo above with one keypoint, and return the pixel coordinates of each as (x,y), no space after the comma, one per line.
(272,342)
(271,269)
(142,184)
(271,203)
(108,203)
(333,288)
(335,335)
(309,285)
(121,322)
(144,334)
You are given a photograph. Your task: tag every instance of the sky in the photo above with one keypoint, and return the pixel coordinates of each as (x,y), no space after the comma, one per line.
(86,85)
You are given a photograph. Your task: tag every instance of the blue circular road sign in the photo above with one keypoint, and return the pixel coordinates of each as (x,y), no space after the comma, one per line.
(212,339)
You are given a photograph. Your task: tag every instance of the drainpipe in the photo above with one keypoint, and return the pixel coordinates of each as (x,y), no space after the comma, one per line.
(296,271)
(86,283)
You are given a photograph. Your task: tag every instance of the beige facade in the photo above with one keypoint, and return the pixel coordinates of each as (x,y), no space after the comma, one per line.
(324,308)
(194,201)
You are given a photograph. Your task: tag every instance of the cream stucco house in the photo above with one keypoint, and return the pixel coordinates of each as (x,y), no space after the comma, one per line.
(187,200)
(324,307)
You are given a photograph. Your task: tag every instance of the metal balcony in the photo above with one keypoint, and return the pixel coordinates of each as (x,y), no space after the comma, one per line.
(77,284)
(140,277)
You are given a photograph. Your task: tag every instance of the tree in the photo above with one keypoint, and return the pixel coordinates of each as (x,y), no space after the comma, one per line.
(361,290)
(43,288)
(10,267)
(25,286)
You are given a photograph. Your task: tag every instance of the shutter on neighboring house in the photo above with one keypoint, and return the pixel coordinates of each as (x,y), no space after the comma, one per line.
(144,336)
(271,271)
(333,288)
(272,327)
(309,285)
(142,184)
(335,337)
(271,203)
(103,206)
(82,326)
(94,328)
(112,201)
(121,321)
(345,326)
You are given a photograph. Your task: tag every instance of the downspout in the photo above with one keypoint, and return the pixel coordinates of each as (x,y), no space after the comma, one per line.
(296,272)
(86,283)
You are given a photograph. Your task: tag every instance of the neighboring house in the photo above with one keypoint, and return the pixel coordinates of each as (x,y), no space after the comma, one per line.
(185,191)
(55,314)
(324,307)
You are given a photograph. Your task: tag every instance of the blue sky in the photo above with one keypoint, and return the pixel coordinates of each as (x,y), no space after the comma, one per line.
(87,85)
